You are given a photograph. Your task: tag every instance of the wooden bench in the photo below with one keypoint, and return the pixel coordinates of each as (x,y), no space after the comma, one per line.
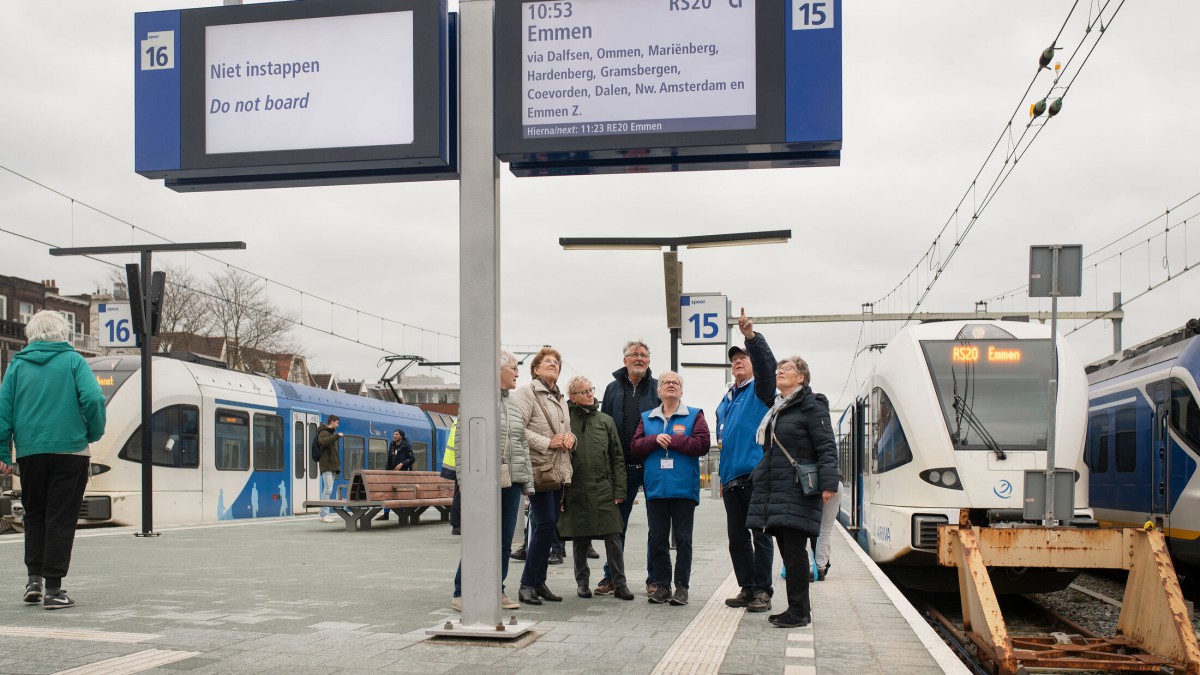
(408,493)
(357,513)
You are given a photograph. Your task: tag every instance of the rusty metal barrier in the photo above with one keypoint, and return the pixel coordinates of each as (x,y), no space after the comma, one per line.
(1153,632)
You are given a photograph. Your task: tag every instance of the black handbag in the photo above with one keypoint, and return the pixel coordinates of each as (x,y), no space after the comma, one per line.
(807,474)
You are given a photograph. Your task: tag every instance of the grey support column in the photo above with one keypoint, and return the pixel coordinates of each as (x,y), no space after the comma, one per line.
(479,320)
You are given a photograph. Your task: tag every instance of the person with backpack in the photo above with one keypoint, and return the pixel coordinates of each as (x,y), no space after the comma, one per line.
(329,462)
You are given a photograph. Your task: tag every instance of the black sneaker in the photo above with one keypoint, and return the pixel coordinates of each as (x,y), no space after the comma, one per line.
(661,595)
(680,598)
(518,554)
(33,592)
(591,553)
(57,600)
(789,620)
(456,531)
(554,559)
(760,603)
(822,572)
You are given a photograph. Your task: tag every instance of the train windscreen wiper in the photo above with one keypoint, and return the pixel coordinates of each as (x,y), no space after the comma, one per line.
(964,410)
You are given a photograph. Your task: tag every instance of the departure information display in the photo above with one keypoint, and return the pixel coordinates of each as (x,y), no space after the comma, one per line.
(328,82)
(619,67)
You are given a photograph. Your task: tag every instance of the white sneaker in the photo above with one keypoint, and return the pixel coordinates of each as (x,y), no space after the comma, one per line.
(505,603)
(456,604)
(329,519)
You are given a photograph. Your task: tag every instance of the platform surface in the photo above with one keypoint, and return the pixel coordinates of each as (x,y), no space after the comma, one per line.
(297,596)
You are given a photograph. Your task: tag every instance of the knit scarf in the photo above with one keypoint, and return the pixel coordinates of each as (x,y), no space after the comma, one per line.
(769,419)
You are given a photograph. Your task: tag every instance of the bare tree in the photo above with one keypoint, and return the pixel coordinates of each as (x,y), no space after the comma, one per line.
(242,313)
(184,308)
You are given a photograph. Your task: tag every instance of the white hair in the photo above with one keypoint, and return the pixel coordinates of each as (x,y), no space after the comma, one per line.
(46,326)
(507,358)
(574,383)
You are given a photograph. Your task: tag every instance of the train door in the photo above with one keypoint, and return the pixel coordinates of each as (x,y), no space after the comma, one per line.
(306,482)
(860,459)
(1159,457)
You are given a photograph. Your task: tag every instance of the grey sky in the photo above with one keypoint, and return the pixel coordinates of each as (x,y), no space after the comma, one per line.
(928,88)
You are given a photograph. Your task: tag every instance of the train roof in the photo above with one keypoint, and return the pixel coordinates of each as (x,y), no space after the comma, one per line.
(1166,347)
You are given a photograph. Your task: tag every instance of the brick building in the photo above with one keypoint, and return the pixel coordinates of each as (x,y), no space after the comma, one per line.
(21,298)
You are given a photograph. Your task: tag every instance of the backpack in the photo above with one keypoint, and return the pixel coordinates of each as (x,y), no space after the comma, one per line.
(315,450)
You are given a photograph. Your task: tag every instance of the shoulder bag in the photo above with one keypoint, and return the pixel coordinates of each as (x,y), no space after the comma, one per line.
(547,477)
(807,475)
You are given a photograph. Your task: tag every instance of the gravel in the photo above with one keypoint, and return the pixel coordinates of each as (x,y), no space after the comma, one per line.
(1095,615)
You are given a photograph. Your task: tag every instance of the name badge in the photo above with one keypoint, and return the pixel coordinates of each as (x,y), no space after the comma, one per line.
(666,463)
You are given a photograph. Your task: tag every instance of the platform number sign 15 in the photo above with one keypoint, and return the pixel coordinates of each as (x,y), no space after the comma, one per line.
(812,15)
(704,319)
(116,325)
(158,51)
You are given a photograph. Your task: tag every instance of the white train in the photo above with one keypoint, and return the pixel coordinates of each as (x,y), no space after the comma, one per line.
(952,416)
(230,445)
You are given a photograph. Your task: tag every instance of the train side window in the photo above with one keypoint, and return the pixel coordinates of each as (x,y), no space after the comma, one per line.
(1185,414)
(268,442)
(175,438)
(233,441)
(891,444)
(420,451)
(298,448)
(356,450)
(1097,454)
(377,451)
(1126,440)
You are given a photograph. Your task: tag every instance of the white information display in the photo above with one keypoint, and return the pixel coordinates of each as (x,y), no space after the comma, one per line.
(703,319)
(331,82)
(116,325)
(608,67)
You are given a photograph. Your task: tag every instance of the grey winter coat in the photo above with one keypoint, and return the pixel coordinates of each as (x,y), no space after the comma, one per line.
(544,414)
(804,428)
(598,464)
(514,449)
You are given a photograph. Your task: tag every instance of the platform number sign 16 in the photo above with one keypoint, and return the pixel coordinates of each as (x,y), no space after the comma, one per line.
(704,319)
(116,325)
(158,51)
(812,15)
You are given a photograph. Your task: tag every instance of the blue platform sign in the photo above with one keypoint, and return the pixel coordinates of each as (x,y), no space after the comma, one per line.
(294,93)
(601,86)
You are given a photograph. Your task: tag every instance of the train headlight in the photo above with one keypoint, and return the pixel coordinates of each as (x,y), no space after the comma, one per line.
(943,478)
(97,469)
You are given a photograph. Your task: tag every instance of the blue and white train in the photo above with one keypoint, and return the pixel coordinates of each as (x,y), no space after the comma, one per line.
(952,416)
(1144,440)
(231,445)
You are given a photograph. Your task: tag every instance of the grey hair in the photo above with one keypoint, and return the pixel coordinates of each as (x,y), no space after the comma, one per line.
(507,358)
(575,382)
(634,343)
(670,372)
(46,326)
(801,367)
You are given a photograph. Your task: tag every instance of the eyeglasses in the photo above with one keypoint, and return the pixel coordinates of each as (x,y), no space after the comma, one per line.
(549,362)
(670,383)
(584,392)
(639,355)
(785,371)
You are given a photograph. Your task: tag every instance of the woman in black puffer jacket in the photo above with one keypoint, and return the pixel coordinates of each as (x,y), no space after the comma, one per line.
(799,421)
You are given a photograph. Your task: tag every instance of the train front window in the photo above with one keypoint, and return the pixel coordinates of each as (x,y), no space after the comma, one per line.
(1185,414)
(998,386)
(111,380)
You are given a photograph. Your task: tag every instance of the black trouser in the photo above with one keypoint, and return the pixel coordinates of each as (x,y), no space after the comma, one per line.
(667,517)
(615,560)
(751,551)
(52,487)
(456,508)
(793,549)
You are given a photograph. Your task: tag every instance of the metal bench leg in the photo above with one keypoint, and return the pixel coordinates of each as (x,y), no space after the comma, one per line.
(365,516)
(348,517)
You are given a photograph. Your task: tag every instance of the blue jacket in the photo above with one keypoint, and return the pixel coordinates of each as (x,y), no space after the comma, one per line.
(738,416)
(689,441)
(613,403)
(49,402)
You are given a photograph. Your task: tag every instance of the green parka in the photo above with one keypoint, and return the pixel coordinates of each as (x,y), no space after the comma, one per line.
(598,464)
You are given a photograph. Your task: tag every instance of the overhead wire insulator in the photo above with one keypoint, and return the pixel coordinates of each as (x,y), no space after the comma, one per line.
(1038,109)
(1046,57)
(1055,106)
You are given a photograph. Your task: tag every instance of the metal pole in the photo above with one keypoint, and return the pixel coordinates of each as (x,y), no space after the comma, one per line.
(1049,520)
(479,319)
(675,332)
(147,400)
(1116,322)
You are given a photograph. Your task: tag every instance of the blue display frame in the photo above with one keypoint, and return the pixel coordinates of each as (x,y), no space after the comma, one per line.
(799,111)
(169,106)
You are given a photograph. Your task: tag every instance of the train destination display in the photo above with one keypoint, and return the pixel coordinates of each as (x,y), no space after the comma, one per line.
(294,93)
(682,65)
(602,86)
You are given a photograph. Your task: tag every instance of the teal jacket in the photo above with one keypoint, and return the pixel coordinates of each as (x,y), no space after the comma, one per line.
(49,402)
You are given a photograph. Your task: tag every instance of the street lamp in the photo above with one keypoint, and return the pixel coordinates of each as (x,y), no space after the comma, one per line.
(673,244)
